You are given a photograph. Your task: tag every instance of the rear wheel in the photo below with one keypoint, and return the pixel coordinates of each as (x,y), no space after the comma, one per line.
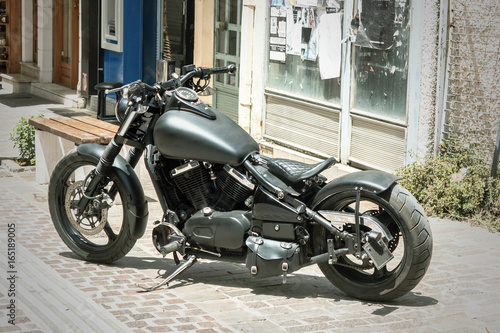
(411,245)
(101,233)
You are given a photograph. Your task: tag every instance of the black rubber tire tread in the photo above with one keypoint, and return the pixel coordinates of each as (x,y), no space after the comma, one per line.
(418,250)
(107,254)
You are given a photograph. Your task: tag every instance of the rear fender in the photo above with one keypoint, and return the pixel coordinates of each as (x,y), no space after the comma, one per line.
(372,181)
(136,200)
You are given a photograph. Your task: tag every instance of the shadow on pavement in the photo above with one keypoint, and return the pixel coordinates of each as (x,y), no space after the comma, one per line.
(236,275)
(22,100)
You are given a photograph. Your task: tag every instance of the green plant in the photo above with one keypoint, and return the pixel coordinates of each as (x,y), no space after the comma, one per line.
(489,216)
(454,184)
(23,135)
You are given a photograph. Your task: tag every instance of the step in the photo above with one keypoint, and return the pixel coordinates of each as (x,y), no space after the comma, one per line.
(59,94)
(17,83)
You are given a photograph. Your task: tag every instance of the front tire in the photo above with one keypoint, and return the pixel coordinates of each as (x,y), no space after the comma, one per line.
(102,236)
(411,246)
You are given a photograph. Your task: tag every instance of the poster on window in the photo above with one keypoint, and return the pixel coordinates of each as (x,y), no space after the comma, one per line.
(374,24)
(330,45)
(277,34)
(309,38)
(293,31)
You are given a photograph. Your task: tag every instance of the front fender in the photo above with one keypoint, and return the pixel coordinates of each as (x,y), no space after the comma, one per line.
(136,200)
(372,181)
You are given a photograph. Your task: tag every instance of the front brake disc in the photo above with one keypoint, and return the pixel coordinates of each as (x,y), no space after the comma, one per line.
(86,223)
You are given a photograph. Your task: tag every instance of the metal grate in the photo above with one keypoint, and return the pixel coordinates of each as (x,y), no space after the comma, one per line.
(472,108)
(303,125)
(376,144)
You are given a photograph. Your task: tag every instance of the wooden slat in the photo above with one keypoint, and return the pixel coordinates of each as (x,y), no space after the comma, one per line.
(98,123)
(82,129)
(105,135)
(64,131)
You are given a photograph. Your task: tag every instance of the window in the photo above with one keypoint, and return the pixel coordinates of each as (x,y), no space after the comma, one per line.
(381,42)
(298,62)
(111,25)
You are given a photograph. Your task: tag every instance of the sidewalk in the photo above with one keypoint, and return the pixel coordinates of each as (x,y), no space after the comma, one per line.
(56,292)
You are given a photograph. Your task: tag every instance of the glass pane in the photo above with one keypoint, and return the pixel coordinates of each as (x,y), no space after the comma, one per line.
(174,27)
(294,59)
(233,42)
(66,42)
(219,77)
(221,41)
(222,11)
(232,78)
(381,59)
(233,12)
(302,78)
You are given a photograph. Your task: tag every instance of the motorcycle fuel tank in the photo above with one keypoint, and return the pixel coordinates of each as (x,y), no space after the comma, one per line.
(182,134)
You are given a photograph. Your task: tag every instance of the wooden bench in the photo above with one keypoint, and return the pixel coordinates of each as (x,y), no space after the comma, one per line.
(56,136)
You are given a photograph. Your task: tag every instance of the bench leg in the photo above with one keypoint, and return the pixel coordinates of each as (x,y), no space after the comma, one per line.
(49,149)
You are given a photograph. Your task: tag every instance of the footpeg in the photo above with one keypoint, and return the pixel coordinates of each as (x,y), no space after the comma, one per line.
(188,263)
(168,238)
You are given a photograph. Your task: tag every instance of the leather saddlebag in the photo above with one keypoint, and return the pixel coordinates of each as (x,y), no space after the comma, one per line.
(267,257)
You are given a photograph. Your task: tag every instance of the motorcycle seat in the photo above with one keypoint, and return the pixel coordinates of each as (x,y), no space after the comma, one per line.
(293,172)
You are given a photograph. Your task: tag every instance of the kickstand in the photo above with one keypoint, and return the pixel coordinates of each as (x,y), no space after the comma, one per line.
(188,263)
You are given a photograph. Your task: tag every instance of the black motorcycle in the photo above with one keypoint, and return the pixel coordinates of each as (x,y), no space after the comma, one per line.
(222,199)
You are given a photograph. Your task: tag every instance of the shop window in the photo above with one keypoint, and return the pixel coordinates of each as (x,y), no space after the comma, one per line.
(305,53)
(381,33)
(112,25)
(177,31)
(304,48)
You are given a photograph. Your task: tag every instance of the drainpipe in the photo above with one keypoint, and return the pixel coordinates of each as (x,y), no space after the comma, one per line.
(494,166)
(442,79)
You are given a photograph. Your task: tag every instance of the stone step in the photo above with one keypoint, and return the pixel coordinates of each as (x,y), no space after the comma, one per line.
(17,83)
(59,94)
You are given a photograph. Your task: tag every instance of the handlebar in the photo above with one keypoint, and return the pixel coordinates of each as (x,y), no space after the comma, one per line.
(136,88)
(205,72)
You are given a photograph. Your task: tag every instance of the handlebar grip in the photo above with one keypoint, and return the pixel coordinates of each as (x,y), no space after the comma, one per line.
(221,70)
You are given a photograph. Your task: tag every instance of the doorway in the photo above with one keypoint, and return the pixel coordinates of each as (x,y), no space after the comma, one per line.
(227,51)
(66,36)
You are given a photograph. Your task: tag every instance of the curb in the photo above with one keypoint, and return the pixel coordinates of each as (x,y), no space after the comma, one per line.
(14,167)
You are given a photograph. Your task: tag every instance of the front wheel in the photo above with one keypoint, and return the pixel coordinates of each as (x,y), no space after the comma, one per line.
(101,233)
(411,245)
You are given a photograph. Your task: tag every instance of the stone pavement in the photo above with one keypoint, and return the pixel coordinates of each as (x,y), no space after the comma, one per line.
(56,292)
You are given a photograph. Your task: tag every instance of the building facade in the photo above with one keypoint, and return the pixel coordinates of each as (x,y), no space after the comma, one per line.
(338,78)
(364,81)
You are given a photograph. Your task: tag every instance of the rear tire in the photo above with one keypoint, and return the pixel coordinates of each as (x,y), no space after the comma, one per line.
(103,237)
(400,212)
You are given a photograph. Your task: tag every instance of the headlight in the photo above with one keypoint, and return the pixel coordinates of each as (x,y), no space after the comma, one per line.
(121,109)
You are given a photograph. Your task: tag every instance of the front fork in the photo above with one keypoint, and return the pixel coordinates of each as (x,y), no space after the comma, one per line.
(101,171)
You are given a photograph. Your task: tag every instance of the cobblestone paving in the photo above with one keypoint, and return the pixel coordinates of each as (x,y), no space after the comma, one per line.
(57,292)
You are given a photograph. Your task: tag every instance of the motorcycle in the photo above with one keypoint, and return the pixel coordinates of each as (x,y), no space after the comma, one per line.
(221,199)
